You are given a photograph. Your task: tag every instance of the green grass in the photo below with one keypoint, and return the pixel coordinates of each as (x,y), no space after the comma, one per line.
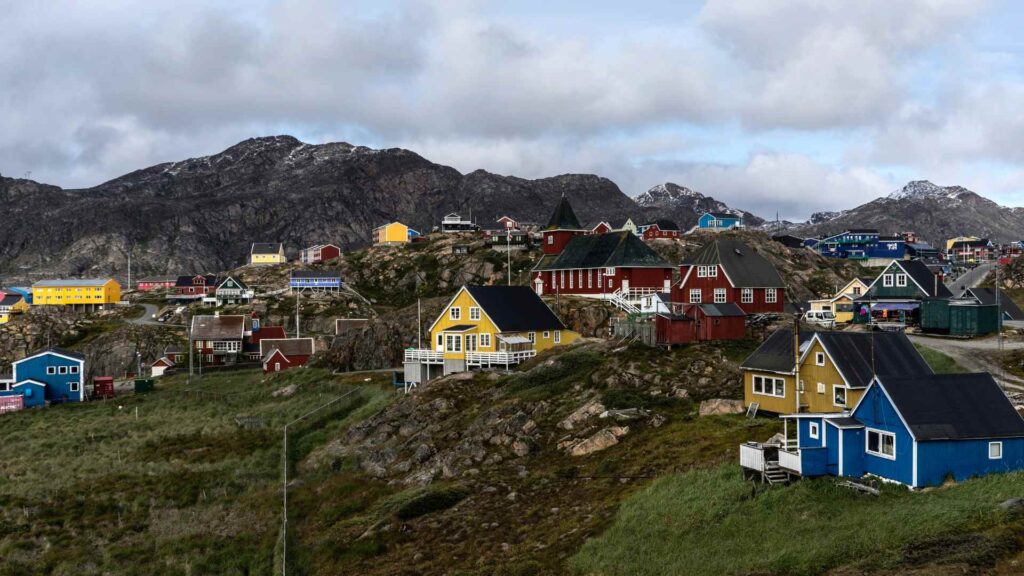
(163,483)
(712,522)
(940,362)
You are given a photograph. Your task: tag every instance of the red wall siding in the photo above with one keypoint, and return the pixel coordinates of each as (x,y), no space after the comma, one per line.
(720,328)
(638,278)
(674,331)
(329,253)
(653,232)
(561,238)
(681,292)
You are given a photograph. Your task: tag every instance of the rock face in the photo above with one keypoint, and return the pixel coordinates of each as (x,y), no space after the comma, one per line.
(202,214)
(601,440)
(718,406)
(934,212)
(684,206)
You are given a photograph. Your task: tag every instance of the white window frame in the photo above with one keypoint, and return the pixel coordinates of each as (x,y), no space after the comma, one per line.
(821,387)
(771,295)
(62,370)
(51,370)
(713,271)
(558,336)
(901,280)
(760,384)
(561,278)
(887,280)
(571,275)
(455,313)
(551,239)
(999,447)
(590,278)
(819,358)
(835,390)
(547,335)
(474,313)
(485,340)
(73,386)
(532,336)
(813,430)
(747,296)
(453,343)
(440,339)
(695,295)
(880,452)
(702,271)
(719,296)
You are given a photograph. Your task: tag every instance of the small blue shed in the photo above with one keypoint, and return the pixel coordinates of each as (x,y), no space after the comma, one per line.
(916,430)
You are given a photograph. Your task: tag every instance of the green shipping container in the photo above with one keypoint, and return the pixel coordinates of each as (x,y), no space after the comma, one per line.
(143,385)
(973,320)
(935,315)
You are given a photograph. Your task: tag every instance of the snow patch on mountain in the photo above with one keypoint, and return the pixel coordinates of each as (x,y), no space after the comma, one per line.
(925,190)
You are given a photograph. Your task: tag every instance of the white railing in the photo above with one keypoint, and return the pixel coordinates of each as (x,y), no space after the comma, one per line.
(498,358)
(427,356)
(789,460)
(622,302)
(752,457)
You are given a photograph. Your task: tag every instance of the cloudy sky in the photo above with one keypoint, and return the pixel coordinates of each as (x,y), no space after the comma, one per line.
(788,106)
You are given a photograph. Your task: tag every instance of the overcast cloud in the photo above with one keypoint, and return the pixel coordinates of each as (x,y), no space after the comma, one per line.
(789,106)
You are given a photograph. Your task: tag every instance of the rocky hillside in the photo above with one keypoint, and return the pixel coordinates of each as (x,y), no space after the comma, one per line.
(202,214)
(934,212)
(684,206)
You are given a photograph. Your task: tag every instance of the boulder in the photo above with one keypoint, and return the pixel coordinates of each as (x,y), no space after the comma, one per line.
(717,406)
(584,412)
(602,439)
(1012,505)
(285,392)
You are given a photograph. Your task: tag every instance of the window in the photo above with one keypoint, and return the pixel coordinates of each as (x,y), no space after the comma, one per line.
(839,395)
(881,444)
(887,280)
(590,278)
(769,386)
(532,336)
(485,340)
(561,278)
(455,313)
(819,358)
(62,370)
(995,450)
(719,295)
(856,290)
(695,296)
(609,272)
(821,387)
(812,430)
(73,386)
(747,296)
(771,295)
(547,335)
(453,343)
(570,279)
(4,386)
(551,239)
(712,271)
(901,280)
(440,339)
(702,271)
(51,369)
(474,313)
(558,336)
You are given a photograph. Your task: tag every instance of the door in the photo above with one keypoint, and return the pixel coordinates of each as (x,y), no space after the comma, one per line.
(625,286)
(667,286)
(471,342)
(539,286)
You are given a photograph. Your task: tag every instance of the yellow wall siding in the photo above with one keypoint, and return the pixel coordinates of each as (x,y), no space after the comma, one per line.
(393,233)
(268,259)
(767,403)
(5,318)
(109,293)
(829,376)
(483,326)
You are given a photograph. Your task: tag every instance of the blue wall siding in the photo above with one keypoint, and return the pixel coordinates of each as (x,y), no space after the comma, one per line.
(964,459)
(804,426)
(876,412)
(853,452)
(832,441)
(706,219)
(58,386)
(35,395)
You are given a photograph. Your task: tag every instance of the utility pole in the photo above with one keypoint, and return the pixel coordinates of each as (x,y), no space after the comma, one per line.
(296,314)
(129,267)
(419,325)
(508,246)
(191,346)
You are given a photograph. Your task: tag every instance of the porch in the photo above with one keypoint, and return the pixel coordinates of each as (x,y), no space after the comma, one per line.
(772,463)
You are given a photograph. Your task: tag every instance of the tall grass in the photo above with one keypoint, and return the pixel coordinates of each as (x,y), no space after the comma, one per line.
(712,522)
(939,362)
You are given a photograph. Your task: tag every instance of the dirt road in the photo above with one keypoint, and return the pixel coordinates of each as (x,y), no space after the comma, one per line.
(976,355)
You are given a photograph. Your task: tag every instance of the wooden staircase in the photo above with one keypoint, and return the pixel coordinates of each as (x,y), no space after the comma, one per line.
(774,474)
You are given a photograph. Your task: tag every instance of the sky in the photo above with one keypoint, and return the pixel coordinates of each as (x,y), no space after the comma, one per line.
(772,106)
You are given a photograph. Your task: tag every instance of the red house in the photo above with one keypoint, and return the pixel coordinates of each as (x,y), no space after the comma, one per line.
(319,253)
(155,283)
(725,271)
(196,286)
(603,264)
(660,229)
(217,339)
(601,228)
(279,355)
(700,323)
(563,227)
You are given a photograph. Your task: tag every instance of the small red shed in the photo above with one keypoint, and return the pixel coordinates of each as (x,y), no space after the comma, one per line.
(700,323)
(103,387)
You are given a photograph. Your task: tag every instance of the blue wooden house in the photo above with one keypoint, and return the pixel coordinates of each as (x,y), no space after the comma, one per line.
(913,430)
(55,375)
(719,221)
(864,244)
(315,281)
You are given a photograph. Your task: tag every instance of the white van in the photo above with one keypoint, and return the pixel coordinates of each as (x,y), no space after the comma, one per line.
(824,318)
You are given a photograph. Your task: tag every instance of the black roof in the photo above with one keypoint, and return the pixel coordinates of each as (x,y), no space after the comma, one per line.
(954,406)
(776,353)
(859,231)
(11,299)
(924,277)
(744,266)
(725,310)
(266,247)
(615,249)
(987,296)
(515,308)
(984,242)
(238,281)
(564,218)
(845,422)
(663,224)
(316,274)
(894,355)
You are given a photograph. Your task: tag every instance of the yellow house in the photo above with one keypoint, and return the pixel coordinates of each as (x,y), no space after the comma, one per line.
(841,304)
(487,327)
(393,233)
(88,293)
(834,369)
(951,241)
(267,253)
(11,304)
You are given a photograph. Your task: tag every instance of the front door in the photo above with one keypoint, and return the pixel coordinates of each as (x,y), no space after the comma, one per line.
(539,286)
(667,286)
(625,286)
(471,342)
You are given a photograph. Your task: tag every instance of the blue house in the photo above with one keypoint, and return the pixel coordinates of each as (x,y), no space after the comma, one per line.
(719,221)
(316,281)
(55,375)
(913,430)
(862,244)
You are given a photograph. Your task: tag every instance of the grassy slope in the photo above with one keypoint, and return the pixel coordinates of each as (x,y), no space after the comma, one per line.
(91,489)
(940,363)
(713,522)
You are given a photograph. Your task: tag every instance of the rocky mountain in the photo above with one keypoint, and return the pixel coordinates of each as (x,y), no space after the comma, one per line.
(202,214)
(934,212)
(684,206)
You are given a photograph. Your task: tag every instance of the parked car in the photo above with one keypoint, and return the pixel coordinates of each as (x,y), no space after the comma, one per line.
(824,318)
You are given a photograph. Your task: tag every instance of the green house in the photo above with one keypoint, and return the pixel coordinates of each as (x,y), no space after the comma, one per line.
(895,297)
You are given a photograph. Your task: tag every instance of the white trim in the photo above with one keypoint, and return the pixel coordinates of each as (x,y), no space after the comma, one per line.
(810,344)
(819,358)
(839,431)
(814,430)
(913,464)
(881,434)
(44,353)
(846,395)
(891,403)
(990,445)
